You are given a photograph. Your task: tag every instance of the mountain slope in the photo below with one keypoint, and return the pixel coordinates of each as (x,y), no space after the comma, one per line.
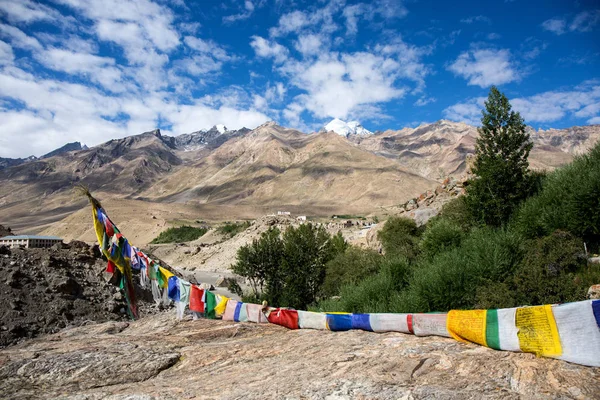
(441,149)
(276,166)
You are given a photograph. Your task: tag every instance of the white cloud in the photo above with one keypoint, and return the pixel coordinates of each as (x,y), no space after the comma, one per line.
(352,13)
(554,105)
(387,9)
(27,11)
(297,21)
(409,59)
(50,120)
(493,36)
(531,48)
(486,67)
(584,21)
(477,18)
(338,85)
(207,47)
(309,44)
(555,25)
(101,70)
(141,27)
(269,49)
(247,13)
(582,101)
(424,100)
(291,22)
(594,121)
(468,112)
(18,38)
(6,53)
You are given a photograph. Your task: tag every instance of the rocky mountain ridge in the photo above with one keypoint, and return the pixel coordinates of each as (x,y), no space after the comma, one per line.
(270,166)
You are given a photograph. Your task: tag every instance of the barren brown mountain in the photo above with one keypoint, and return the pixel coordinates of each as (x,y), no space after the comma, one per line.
(440,149)
(216,175)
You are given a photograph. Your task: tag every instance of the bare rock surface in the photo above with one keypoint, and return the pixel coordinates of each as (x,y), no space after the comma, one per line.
(159,357)
(45,290)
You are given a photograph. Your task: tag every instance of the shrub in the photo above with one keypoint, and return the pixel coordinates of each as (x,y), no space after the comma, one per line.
(374,293)
(554,270)
(181,234)
(450,280)
(350,267)
(440,235)
(457,211)
(569,200)
(399,237)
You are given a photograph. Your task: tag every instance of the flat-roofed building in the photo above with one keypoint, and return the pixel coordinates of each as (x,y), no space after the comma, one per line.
(29,241)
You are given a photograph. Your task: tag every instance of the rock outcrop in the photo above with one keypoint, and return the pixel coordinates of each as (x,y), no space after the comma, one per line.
(160,357)
(45,290)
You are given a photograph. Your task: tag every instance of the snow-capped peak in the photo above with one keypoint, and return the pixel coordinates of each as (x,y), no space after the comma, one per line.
(346,128)
(221,128)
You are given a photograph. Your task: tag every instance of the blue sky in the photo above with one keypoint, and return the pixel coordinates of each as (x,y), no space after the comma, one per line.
(91,70)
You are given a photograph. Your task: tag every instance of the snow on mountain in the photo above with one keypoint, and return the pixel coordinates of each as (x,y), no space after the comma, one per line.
(346,128)
(221,128)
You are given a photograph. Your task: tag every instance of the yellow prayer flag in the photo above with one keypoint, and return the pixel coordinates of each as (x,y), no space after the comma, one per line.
(467,325)
(537,331)
(222,305)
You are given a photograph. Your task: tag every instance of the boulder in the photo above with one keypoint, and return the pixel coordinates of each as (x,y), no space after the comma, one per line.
(594,292)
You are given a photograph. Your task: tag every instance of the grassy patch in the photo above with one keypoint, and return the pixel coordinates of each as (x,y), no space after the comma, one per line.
(184,233)
(232,229)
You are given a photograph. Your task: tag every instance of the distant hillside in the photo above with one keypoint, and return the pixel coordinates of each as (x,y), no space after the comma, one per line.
(64,149)
(5,231)
(255,171)
(440,149)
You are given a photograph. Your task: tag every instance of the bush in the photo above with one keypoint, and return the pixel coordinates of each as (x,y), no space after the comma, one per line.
(350,267)
(232,229)
(440,235)
(569,200)
(181,234)
(374,293)
(399,237)
(451,279)
(457,212)
(554,270)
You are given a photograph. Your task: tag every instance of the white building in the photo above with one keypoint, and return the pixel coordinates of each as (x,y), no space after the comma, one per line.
(283,213)
(301,218)
(29,241)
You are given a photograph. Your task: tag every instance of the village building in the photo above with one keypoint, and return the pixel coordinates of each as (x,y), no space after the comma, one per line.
(29,241)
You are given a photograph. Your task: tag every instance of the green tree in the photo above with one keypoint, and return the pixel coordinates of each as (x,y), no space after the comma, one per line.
(350,267)
(260,262)
(501,165)
(306,250)
(400,237)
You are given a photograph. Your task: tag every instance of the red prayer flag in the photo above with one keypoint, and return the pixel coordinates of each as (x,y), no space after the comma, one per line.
(110,267)
(287,318)
(196,303)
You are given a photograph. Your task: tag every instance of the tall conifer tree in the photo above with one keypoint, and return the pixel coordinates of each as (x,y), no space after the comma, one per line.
(501,167)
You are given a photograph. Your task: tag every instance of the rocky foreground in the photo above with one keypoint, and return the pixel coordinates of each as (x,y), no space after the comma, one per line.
(160,357)
(45,290)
